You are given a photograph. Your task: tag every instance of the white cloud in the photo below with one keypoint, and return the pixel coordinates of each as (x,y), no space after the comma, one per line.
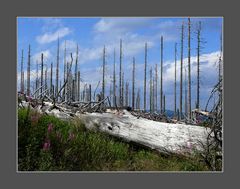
(53,36)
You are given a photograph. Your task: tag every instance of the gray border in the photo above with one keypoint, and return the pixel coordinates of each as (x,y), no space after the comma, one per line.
(109,8)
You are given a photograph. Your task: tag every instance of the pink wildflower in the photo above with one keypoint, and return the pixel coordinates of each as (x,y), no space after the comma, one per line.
(71,136)
(46,145)
(50,127)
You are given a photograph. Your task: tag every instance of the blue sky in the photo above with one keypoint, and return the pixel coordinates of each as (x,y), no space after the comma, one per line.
(91,34)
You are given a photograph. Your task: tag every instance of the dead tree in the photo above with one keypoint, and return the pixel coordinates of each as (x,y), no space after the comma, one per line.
(22,75)
(181,71)
(78,86)
(90,92)
(28,71)
(57,70)
(175,82)
(138,100)
(36,81)
(103,74)
(41,74)
(161,81)
(150,91)
(120,76)
(164,104)
(189,69)
(51,81)
(76,74)
(133,84)
(65,72)
(114,81)
(126,93)
(145,78)
(46,79)
(198,64)
(122,89)
(155,88)
(185,94)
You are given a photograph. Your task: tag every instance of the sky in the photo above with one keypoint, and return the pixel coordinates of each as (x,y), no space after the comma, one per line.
(91,34)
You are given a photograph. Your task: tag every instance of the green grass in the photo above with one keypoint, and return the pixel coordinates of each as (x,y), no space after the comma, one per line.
(74,148)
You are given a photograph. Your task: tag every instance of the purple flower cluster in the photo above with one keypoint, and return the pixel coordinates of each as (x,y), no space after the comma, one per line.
(46,145)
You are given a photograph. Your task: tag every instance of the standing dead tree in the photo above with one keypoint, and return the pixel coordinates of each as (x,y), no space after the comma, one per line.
(181,71)
(155,88)
(126,93)
(133,84)
(161,80)
(36,81)
(76,77)
(46,86)
(41,74)
(22,75)
(78,86)
(57,71)
(145,78)
(120,76)
(28,71)
(103,74)
(65,71)
(189,70)
(138,100)
(150,91)
(51,81)
(175,82)
(114,80)
(198,64)
(122,89)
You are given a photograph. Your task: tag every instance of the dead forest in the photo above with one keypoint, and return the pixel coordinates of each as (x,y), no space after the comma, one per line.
(68,96)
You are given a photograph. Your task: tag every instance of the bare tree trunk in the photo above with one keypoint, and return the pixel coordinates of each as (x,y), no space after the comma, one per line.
(36,81)
(126,93)
(41,73)
(145,78)
(65,72)
(156,83)
(175,82)
(57,71)
(161,82)
(198,64)
(114,81)
(28,71)
(122,92)
(22,75)
(164,104)
(78,92)
(51,81)
(138,100)
(76,74)
(150,91)
(185,94)
(181,70)
(133,84)
(189,69)
(90,92)
(46,79)
(103,75)
(120,76)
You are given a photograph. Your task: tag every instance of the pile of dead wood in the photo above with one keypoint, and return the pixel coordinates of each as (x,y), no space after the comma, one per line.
(152,116)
